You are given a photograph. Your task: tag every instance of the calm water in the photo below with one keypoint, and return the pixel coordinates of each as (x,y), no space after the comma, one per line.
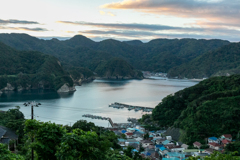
(93,98)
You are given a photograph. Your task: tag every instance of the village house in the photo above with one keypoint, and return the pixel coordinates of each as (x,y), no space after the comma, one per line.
(209,151)
(163,151)
(227,137)
(197,145)
(7,135)
(225,142)
(175,155)
(160,140)
(129,135)
(213,140)
(146,143)
(131,141)
(184,146)
(215,146)
(155,156)
(131,130)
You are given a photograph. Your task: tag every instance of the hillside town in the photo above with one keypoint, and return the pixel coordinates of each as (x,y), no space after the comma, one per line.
(157,145)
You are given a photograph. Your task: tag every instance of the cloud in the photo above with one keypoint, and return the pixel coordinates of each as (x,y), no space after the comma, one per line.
(156,27)
(111,14)
(24,29)
(226,11)
(102,12)
(107,13)
(14,21)
(135,26)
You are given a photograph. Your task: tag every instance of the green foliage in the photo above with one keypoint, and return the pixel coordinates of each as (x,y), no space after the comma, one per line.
(82,145)
(13,119)
(146,136)
(79,51)
(117,67)
(84,125)
(114,155)
(214,100)
(47,138)
(22,68)
(5,154)
(224,61)
(80,73)
(232,147)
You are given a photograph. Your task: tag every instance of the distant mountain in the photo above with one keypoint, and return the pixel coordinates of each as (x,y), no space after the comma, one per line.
(156,55)
(134,42)
(224,61)
(117,68)
(30,70)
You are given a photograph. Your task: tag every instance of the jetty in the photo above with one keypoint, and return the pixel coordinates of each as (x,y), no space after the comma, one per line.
(100,118)
(130,107)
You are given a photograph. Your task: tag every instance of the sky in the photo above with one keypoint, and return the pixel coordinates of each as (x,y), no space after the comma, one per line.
(122,19)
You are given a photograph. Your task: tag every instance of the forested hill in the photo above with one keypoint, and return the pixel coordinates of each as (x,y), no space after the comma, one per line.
(224,61)
(30,69)
(210,108)
(79,51)
(117,68)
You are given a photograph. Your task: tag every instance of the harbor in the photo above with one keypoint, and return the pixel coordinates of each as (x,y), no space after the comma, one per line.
(130,107)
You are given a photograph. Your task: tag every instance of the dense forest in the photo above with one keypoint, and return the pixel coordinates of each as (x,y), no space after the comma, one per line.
(224,61)
(31,69)
(157,55)
(118,69)
(210,108)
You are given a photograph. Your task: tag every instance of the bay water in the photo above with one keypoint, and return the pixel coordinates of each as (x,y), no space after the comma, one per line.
(94,98)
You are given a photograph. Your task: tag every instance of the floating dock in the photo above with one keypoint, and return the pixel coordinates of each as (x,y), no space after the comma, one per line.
(130,107)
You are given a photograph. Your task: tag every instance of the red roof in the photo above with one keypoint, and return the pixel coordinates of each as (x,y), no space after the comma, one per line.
(225,141)
(227,135)
(129,134)
(215,144)
(197,144)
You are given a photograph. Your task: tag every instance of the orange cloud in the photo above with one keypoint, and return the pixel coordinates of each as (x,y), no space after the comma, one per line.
(222,11)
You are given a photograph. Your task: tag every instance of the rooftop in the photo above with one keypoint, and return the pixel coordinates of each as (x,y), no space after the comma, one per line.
(213,138)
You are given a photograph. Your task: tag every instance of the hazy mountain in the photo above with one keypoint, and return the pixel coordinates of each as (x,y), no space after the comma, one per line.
(224,61)
(156,55)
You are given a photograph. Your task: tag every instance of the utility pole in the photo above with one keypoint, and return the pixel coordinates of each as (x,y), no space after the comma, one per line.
(32,104)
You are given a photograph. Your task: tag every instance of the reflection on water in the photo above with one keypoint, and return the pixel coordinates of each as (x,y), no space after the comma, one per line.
(30,95)
(93,98)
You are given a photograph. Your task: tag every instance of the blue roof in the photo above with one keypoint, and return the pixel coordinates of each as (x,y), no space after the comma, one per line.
(171,158)
(121,140)
(158,146)
(165,142)
(134,150)
(162,148)
(151,136)
(152,131)
(213,138)
(148,154)
(123,131)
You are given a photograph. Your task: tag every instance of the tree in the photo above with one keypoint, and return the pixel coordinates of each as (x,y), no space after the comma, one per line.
(5,154)
(115,155)
(82,145)
(47,138)
(128,151)
(84,125)
(232,147)
(146,136)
